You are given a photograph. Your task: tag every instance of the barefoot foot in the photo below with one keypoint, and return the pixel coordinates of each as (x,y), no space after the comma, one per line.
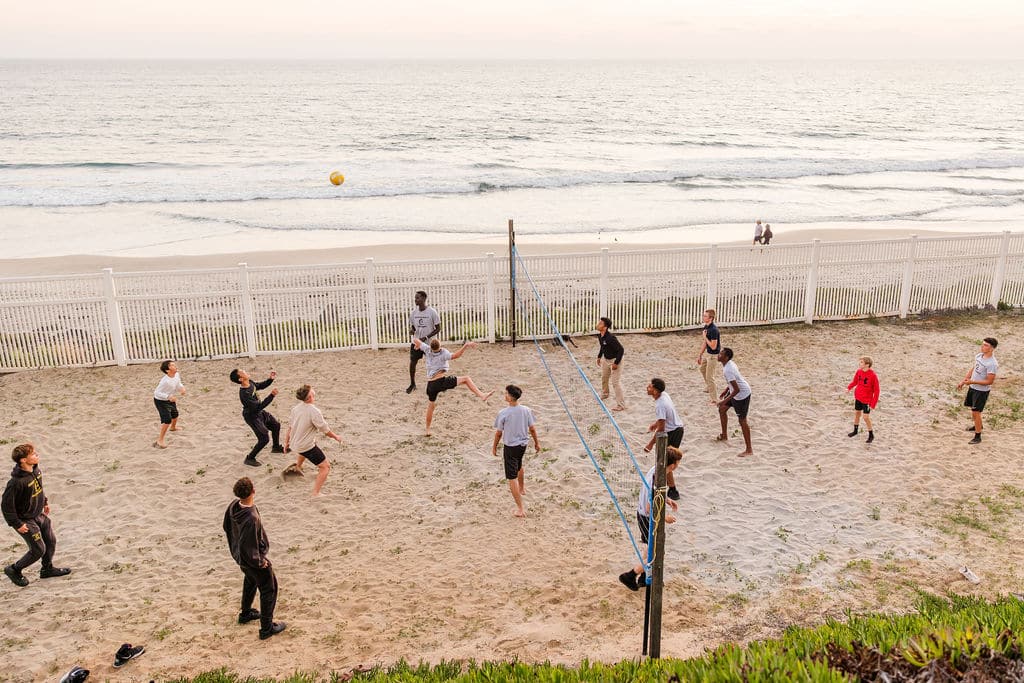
(487,395)
(519,513)
(745,454)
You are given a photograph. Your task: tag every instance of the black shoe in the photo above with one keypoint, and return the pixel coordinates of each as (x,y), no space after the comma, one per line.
(248,615)
(976,439)
(277,449)
(76,675)
(252,462)
(628,580)
(970,429)
(411,388)
(275,628)
(127,653)
(871,437)
(15,576)
(673,493)
(50,572)
(853,433)
(641,581)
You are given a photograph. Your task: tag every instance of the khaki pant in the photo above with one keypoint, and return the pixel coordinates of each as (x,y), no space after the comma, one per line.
(707,371)
(616,379)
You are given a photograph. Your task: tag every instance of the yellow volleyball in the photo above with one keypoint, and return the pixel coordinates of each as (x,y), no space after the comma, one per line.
(337,178)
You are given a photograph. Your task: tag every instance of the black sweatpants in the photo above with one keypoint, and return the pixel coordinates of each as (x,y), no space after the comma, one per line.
(264,425)
(41,543)
(265,582)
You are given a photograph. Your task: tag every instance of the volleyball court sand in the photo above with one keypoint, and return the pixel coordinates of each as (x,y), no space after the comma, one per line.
(413,551)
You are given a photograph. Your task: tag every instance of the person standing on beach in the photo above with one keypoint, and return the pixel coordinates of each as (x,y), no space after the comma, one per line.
(865,397)
(166,404)
(735,396)
(979,382)
(666,419)
(611,351)
(437,378)
(249,546)
(424,324)
(255,415)
(768,235)
(758,231)
(27,510)
(513,428)
(304,423)
(635,577)
(710,343)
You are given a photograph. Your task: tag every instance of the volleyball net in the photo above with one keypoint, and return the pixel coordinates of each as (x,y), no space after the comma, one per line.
(607,447)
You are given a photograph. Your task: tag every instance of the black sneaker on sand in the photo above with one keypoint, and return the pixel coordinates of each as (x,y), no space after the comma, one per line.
(628,580)
(411,388)
(853,433)
(50,572)
(277,449)
(127,653)
(673,493)
(252,462)
(871,437)
(15,576)
(275,628)
(248,615)
(976,439)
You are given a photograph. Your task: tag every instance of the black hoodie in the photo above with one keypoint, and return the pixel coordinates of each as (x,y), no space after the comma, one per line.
(24,499)
(246,538)
(251,403)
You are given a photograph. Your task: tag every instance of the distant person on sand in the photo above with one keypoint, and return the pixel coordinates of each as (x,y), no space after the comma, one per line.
(710,343)
(865,397)
(255,415)
(304,424)
(768,235)
(166,405)
(249,546)
(735,396)
(758,232)
(609,359)
(666,419)
(437,379)
(26,509)
(424,324)
(979,382)
(635,577)
(513,428)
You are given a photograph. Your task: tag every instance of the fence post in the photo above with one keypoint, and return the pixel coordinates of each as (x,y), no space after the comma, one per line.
(114,320)
(812,282)
(248,315)
(491,301)
(1000,276)
(603,296)
(711,301)
(907,286)
(371,303)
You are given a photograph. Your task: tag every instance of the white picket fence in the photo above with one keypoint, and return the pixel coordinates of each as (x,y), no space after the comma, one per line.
(111,318)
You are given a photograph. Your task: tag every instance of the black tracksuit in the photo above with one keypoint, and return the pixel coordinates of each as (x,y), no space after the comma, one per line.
(249,545)
(23,503)
(263,424)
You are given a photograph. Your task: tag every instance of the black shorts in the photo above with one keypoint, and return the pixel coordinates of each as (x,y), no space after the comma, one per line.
(861,407)
(675,437)
(741,406)
(436,386)
(644,522)
(976,399)
(314,455)
(167,409)
(513,456)
(414,353)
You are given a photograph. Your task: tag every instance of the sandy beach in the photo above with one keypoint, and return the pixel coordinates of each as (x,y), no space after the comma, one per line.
(413,553)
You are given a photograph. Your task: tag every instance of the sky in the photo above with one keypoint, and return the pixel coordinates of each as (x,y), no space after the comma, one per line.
(524,29)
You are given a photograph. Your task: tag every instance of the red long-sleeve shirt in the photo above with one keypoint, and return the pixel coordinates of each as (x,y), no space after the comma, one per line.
(867,390)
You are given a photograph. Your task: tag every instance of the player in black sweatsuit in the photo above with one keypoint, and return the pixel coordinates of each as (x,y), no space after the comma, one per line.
(263,424)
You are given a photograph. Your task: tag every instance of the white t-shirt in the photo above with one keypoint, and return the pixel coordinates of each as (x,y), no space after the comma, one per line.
(423,322)
(436,360)
(732,374)
(643,505)
(168,387)
(665,410)
(983,367)
(514,423)
(307,423)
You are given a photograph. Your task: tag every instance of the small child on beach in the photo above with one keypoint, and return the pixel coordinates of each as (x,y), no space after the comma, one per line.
(635,577)
(865,396)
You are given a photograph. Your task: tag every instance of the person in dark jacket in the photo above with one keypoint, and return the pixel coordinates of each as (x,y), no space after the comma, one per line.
(263,424)
(609,359)
(27,511)
(249,546)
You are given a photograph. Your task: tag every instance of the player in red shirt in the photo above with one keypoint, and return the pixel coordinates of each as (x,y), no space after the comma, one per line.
(865,397)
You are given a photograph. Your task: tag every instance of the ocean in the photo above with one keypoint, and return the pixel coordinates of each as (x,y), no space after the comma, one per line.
(151,158)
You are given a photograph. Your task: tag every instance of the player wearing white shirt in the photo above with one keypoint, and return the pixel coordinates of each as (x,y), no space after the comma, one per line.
(424,324)
(635,577)
(666,420)
(437,379)
(165,401)
(979,381)
(735,396)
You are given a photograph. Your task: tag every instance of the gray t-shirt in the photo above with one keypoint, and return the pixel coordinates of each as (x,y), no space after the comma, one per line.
(514,423)
(983,367)
(732,374)
(423,322)
(665,410)
(437,361)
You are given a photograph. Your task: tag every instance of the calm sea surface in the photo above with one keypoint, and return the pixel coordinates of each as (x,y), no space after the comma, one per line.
(133,151)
